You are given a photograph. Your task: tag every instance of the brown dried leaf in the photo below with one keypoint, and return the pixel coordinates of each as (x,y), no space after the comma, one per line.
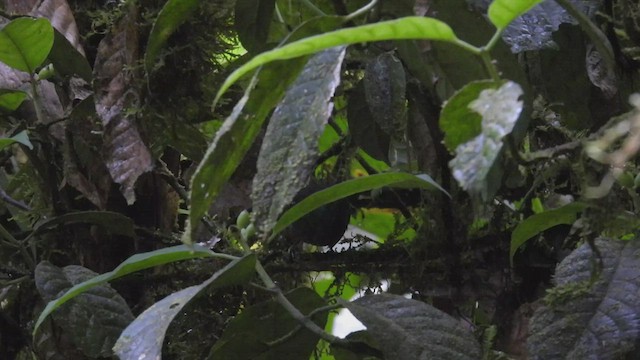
(126,155)
(59,14)
(19,7)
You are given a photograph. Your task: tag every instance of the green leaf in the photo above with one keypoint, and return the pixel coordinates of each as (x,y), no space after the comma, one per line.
(240,129)
(503,12)
(457,121)
(290,146)
(25,43)
(351,187)
(92,321)
(67,60)
(592,312)
(414,27)
(10,100)
(535,224)
(132,264)
(20,137)
(474,160)
(410,329)
(172,15)
(252,22)
(248,335)
(143,338)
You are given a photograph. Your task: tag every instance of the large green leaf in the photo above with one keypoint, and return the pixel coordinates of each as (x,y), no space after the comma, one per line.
(143,338)
(351,187)
(239,130)
(172,15)
(252,22)
(247,337)
(535,224)
(67,60)
(25,43)
(458,122)
(503,12)
(92,321)
(413,27)
(290,146)
(587,316)
(115,222)
(132,264)
(410,329)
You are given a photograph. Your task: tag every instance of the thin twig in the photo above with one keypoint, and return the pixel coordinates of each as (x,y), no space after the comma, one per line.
(11,201)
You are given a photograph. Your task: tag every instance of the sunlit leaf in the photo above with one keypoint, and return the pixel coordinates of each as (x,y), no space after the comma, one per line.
(132,264)
(503,12)
(144,337)
(404,28)
(351,187)
(10,100)
(25,43)
(458,122)
(290,146)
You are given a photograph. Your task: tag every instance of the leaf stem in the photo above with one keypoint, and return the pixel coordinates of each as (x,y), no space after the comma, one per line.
(314,8)
(361,11)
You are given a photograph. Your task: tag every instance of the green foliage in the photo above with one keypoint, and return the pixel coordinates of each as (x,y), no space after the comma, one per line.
(25,43)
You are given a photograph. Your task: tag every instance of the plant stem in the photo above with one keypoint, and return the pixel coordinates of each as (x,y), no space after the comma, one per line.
(489,65)
(314,8)
(362,10)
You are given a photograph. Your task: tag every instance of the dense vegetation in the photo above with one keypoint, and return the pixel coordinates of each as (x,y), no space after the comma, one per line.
(190,179)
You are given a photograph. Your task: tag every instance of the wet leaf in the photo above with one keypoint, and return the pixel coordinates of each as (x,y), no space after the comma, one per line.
(240,129)
(134,263)
(538,223)
(290,146)
(405,28)
(126,155)
(144,337)
(410,329)
(591,320)
(458,122)
(25,43)
(172,15)
(93,320)
(352,187)
(252,22)
(248,335)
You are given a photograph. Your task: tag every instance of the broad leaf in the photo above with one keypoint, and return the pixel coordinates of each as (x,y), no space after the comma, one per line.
(61,17)
(364,132)
(67,60)
(499,109)
(252,22)
(20,137)
(126,155)
(239,130)
(172,15)
(351,187)
(10,100)
(458,122)
(410,329)
(25,43)
(406,28)
(144,337)
(93,321)
(290,146)
(132,264)
(535,224)
(247,337)
(503,12)
(587,317)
